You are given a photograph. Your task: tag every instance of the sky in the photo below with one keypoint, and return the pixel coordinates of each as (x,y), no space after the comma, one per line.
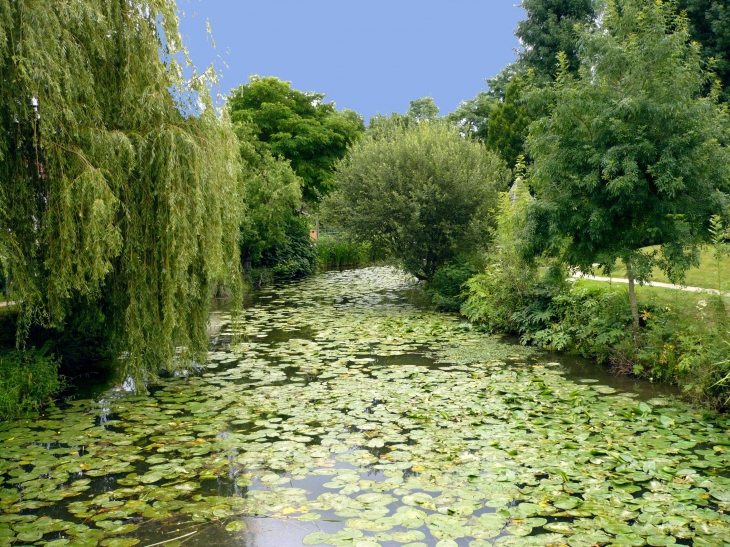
(371,56)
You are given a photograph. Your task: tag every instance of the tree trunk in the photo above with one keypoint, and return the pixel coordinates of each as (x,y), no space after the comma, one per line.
(632,295)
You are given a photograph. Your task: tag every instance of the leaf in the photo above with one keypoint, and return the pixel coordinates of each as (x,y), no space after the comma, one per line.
(316,538)
(236,526)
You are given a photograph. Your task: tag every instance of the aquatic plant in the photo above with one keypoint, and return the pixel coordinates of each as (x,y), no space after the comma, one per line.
(338,405)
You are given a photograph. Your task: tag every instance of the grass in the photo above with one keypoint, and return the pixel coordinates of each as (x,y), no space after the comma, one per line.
(333,252)
(682,301)
(705,276)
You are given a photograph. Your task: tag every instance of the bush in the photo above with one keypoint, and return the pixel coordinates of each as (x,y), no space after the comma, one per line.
(447,289)
(691,347)
(293,257)
(28,378)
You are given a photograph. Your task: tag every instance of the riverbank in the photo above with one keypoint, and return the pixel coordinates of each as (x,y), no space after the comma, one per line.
(683,337)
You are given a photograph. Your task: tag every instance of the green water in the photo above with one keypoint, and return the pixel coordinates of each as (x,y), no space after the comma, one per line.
(337,411)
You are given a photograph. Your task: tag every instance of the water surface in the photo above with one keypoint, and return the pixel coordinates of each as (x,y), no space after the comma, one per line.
(336,411)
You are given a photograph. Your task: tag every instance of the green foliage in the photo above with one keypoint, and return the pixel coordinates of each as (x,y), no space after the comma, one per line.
(472,116)
(272,196)
(709,25)
(507,285)
(422,110)
(421,194)
(447,287)
(27,380)
(498,84)
(509,121)
(549,29)
(687,346)
(719,236)
(112,191)
(296,126)
(681,344)
(293,257)
(337,252)
(631,154)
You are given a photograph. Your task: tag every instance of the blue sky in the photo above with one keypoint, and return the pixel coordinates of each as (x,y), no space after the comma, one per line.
(370,56)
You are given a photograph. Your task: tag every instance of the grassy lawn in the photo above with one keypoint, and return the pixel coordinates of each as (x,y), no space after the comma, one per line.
(688,302)
(704,276)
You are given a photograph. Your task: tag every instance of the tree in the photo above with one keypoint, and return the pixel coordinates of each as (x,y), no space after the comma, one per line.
(422,110)
(274,233)
(709,24)
(272,195)
(472,116)
(499,83)
(419,110)
(297,126)
(550,28)
(116,200)
(631,155)
(509,120)
(422,193)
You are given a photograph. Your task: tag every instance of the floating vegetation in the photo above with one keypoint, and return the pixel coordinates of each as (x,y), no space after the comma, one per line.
(336,405)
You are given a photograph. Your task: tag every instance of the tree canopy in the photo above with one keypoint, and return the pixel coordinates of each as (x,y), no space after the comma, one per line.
(421,193)
(272,195)
(112,193)
(297,126)
(274,235)
(549,29)
(422,110)
(473,115)
(709,25)
(631,155)
(509,120)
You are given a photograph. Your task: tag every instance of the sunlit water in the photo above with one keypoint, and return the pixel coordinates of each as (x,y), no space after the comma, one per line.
(338,411)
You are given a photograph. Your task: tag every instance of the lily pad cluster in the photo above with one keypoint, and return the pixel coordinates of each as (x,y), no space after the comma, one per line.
(336,403)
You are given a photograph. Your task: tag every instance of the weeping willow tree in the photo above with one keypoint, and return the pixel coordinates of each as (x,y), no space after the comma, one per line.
(118,181)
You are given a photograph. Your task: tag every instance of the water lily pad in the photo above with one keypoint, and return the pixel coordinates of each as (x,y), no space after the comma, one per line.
(119,542)
(316,538)
(659,541)
(30,535)
(236,526)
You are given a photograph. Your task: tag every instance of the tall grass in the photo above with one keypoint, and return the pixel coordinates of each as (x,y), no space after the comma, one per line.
(335,252)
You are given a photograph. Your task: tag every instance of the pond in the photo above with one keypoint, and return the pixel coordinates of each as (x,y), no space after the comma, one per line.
(337,411)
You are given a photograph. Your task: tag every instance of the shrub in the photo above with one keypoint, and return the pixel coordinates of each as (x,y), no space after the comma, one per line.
(682,344)
(690,347)
(291,258)
(677,345)
(447,289)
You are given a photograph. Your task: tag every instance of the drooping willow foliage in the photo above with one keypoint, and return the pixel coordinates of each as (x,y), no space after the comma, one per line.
(115,197)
